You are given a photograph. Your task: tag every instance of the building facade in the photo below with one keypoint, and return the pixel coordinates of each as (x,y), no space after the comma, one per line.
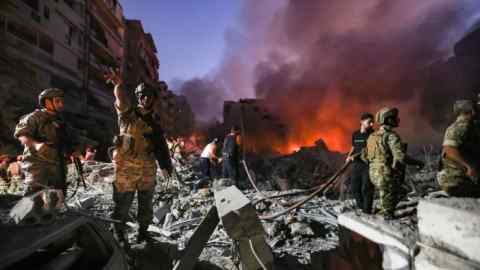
(70,44)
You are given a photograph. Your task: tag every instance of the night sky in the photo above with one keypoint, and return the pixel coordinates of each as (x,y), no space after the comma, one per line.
(189,34)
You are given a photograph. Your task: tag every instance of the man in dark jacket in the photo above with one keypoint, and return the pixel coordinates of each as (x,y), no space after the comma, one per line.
(231,155)
(362,188)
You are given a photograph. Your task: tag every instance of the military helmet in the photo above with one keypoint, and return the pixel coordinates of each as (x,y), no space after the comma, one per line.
(143,88)
(385,113)
(49,93)
(463,106)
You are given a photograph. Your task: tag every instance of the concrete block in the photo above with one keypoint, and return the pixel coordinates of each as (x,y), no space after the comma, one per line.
(238,216)
(376,230)
(39,208)
(435,259)
(240,220)
(261,253)
(451,224)
(198,240)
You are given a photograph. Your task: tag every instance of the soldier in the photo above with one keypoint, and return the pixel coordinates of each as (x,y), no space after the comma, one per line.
(362,188)
(46,139)
(140,142)
(387,159)
(461,153)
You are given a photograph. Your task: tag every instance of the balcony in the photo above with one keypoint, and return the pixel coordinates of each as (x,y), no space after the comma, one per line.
(111,12)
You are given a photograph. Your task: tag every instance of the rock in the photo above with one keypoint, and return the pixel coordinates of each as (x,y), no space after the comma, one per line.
(221,183)
(39,208)
(160,213)
(271,228)
(451,224)
(300,228)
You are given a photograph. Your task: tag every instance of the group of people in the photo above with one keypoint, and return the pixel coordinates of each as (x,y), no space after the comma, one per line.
(230,158)
(49,140)
(380,158)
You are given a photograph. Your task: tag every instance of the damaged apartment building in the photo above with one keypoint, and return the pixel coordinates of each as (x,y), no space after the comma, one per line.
(261,129)
(70,44)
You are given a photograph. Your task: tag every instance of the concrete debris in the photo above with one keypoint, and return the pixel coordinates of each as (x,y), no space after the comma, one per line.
(292,239)
(39,208)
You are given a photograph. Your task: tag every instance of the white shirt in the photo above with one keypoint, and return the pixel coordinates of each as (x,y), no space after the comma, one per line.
(208,151)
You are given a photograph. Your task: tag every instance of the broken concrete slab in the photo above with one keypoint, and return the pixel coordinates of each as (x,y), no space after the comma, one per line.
(300,228)
(198,240)
(238,216)
(434,259)
(396,245)
(39,208)
(451,224)
(240,220)
(377,230)
(255,253)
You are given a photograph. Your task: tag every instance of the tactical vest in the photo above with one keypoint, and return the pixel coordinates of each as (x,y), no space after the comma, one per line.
(377,148)
(135,137)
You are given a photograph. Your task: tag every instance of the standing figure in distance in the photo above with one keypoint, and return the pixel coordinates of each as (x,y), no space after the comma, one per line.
(231,155)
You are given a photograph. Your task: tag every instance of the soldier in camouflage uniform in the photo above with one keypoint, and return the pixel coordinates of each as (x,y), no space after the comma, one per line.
(46,139)
(461,154)
(387,158)
(139,144)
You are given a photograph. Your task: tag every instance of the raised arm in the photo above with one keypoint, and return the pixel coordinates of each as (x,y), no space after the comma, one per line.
(114,77)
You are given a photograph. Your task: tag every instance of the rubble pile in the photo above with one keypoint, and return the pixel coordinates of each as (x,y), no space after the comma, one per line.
(178,211)
(303,169)
(293,237)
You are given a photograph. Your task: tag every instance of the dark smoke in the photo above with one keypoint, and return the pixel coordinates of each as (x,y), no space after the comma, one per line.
(319,64)
(206,98)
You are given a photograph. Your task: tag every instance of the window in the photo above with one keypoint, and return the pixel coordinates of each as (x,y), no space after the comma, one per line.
(32,3)
(46,12)
(45,43)
(70,34)
(79,63)
(22,32)
(80,39)
(2,24)
(70,3)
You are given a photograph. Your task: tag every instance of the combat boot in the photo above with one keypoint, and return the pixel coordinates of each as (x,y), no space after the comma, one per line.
(144,235)
(120,236)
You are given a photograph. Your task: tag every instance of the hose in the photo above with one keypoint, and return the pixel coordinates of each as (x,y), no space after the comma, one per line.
(256,255)
(311,196)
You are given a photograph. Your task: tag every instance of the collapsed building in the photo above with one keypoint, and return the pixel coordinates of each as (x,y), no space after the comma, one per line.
(260,128)
(324,233)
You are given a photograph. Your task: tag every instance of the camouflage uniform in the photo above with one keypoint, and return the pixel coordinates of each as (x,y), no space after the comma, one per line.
(386,156)
(4,182)
(464,135)
(45,167)
(135,166)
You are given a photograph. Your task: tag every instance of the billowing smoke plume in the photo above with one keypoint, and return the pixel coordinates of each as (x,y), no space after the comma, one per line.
(319,64)
(206,98)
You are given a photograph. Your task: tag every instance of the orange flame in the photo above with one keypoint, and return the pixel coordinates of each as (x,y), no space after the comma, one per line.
(333,122)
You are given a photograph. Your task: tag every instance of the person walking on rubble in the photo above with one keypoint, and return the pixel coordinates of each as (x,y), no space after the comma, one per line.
(46,138)
(362,188)
(387,158)
(458,175)
(140,142)
(231,155)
